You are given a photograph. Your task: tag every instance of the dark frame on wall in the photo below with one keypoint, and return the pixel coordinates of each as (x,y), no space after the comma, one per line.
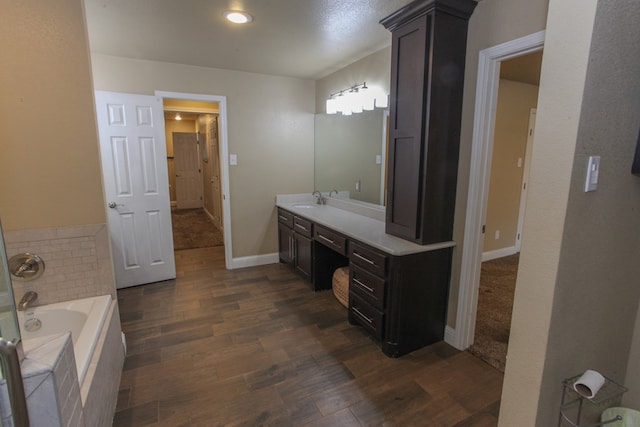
(635,167)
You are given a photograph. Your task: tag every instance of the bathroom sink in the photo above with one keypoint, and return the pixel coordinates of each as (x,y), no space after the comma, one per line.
(304,206)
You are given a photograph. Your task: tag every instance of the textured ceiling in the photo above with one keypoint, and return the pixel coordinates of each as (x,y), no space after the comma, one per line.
(297,38)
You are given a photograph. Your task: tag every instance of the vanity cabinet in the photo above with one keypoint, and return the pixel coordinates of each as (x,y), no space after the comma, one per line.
(294,242)
(400,300)
(427,73)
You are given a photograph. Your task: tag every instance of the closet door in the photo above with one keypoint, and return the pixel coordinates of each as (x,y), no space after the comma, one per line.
(427,74)
(410,52)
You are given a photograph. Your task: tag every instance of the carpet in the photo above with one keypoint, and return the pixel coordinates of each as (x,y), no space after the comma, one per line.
(192,228)
(495,304)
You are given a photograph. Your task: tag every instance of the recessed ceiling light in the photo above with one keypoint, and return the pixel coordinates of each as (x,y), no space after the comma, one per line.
(237,16)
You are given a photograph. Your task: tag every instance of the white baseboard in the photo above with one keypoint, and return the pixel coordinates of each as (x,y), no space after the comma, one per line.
(499,253)
(450,337)
(254,261)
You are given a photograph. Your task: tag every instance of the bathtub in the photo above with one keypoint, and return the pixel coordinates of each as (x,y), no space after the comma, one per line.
(84,318)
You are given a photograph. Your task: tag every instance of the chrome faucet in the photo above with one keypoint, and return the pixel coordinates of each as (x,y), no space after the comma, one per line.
(27,299)
(319,198)
(331,192)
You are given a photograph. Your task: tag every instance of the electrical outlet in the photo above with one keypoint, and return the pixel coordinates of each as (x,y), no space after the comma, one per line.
(358,185)
(497,235)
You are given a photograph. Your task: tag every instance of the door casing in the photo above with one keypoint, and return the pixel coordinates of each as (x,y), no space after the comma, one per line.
(482,146)
(224,165)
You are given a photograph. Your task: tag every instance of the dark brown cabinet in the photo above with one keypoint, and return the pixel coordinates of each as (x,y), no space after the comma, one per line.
(427,72)
(400,300)
(302,246)
(294,242)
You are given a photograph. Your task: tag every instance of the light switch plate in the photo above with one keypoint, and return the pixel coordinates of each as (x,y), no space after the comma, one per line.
(233,159)
(593,170)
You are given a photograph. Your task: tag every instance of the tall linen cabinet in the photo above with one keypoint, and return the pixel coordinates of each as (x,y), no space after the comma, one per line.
(427,73)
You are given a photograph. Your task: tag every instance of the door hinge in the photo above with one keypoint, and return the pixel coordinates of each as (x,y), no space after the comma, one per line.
(484,227)
(518,238)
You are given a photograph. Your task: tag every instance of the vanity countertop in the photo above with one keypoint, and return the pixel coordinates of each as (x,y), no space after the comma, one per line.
(360,225)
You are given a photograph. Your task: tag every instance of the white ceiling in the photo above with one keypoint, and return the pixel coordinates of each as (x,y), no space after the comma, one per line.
(298,38)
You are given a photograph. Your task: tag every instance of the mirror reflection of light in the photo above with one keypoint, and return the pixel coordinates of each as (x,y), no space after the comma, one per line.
(357,99)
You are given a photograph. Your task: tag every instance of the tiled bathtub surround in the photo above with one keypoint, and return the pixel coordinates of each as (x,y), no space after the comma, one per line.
(50,385)
(54,396)
(77,262)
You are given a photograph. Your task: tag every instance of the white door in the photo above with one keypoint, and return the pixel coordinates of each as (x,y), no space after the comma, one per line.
(216,188)
(134,168)
(525,177)
(187,169)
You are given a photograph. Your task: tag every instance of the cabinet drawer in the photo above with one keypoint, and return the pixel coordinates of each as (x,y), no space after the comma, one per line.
(331,239)
(372,261)
(369,287)
(285,217)
(302,226)
(365,315)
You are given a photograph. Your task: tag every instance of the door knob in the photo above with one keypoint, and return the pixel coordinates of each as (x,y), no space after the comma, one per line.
(112,205)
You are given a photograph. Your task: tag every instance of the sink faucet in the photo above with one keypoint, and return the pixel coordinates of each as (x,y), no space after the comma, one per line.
(27,299)
(319,199)
(331,192)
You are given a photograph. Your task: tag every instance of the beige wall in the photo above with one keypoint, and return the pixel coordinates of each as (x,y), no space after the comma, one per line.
(515,101)
(576,295)
(270,129)
(49,167)
(596,290)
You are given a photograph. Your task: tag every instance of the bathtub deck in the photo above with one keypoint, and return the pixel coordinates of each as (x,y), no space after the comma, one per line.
(257,347)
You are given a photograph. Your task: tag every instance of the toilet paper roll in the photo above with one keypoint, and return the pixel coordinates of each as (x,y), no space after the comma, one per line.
(589,383)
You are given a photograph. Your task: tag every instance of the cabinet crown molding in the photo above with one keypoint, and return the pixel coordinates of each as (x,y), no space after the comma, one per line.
(415,9)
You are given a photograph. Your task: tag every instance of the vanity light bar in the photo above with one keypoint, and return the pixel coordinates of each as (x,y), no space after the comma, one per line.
(356,99)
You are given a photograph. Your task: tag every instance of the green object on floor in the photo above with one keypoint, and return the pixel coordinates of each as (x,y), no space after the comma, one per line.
(630,417)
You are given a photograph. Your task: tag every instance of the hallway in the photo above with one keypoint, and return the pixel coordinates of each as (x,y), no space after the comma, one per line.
(256,346)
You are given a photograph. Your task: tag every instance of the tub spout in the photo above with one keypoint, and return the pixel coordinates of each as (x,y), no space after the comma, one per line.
(27,299)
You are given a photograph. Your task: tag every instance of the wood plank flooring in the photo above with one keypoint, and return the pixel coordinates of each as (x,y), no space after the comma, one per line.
(256,346)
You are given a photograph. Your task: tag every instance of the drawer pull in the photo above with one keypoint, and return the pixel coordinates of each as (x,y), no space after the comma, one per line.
(363,285)
(359,313)
(301,226)
(282,217)
(363,258)
(326,239)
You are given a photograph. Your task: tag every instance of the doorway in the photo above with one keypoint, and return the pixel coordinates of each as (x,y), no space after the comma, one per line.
(506,203)
(487,91)
(195,127)
(192,147)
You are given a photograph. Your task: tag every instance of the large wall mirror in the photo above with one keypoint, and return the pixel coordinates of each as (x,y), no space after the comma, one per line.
(350,155)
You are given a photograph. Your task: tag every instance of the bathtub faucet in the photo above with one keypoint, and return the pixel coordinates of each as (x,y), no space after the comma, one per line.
(27,299)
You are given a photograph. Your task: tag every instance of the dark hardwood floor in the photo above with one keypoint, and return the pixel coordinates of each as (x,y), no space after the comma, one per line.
(256,347)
